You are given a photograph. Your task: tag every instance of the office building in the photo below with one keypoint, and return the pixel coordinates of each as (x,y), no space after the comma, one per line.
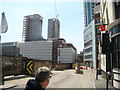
(53,28)
(110,60)
(88,11)
(90,45)
(32,28)
(89,34)
(10,49)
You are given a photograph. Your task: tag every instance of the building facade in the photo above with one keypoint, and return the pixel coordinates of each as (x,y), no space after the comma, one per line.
(88,11)
(110,60)
(90,31)
(90,45)
(32,28)
(10,49)
(53,28)
(97,32)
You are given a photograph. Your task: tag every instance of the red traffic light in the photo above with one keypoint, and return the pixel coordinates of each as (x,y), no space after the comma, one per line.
(103,28)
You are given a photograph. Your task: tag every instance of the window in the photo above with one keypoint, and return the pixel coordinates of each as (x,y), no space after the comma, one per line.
(88,43)
(89,29)
(88,50)
(88,56)
(116,52)
(117,8)
(97,21)
(98,30)
(115,30)
(89,36)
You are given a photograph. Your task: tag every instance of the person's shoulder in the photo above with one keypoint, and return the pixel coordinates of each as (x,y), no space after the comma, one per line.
(32,85)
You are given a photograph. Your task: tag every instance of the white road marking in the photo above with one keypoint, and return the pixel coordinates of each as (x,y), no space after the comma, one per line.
(93,81)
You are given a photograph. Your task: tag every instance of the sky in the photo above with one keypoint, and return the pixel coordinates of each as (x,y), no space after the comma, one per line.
(70,13)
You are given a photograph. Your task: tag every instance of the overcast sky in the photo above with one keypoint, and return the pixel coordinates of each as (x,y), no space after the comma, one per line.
(71,19)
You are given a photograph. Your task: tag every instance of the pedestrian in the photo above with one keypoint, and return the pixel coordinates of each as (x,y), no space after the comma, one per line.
(41,81)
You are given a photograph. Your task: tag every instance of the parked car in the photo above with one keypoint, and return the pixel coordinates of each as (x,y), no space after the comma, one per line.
(82,67)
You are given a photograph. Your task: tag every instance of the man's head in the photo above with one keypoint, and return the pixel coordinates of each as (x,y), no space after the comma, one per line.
(42,76)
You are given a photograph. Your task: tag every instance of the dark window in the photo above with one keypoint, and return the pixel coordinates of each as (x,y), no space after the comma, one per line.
(98,30)
(97,21)
(116,52)
(88,57)
(117,8)
(88,43)
(88,50)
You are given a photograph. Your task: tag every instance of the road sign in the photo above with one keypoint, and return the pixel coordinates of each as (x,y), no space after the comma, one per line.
(29,66)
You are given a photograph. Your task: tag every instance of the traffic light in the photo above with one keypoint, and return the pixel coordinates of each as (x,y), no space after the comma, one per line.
(105,43)
(103,28)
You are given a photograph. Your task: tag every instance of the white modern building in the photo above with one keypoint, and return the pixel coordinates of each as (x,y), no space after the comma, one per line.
(90,33)
(90,45)
(66,55)
(39,50)
(32,28)
(47,51)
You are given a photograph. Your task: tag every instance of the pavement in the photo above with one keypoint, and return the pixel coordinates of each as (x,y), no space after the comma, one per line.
(100,83)
(8,85)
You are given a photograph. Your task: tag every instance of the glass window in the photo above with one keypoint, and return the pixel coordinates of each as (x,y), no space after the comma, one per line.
(115,30)
(88,56)
(89,36)
(88,43)
(117,6)
(89,29)
(116,52)
(88,50)
(98,30)
(97,21)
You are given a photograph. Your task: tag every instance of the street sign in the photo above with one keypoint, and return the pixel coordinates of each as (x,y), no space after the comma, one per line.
(29,66)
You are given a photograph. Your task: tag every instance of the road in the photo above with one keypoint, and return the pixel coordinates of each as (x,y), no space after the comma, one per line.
(65,79)
(68,79)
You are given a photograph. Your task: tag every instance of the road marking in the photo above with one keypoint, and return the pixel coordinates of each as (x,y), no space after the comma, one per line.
(93,80)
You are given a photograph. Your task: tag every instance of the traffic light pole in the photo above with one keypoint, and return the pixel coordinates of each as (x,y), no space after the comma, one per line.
(107,60)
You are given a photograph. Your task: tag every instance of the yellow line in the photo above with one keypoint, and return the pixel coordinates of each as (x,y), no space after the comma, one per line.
(29,63)
(29,71)
(31,66)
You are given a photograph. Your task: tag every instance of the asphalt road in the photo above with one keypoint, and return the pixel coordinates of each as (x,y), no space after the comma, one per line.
(68,79)
(64,79)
